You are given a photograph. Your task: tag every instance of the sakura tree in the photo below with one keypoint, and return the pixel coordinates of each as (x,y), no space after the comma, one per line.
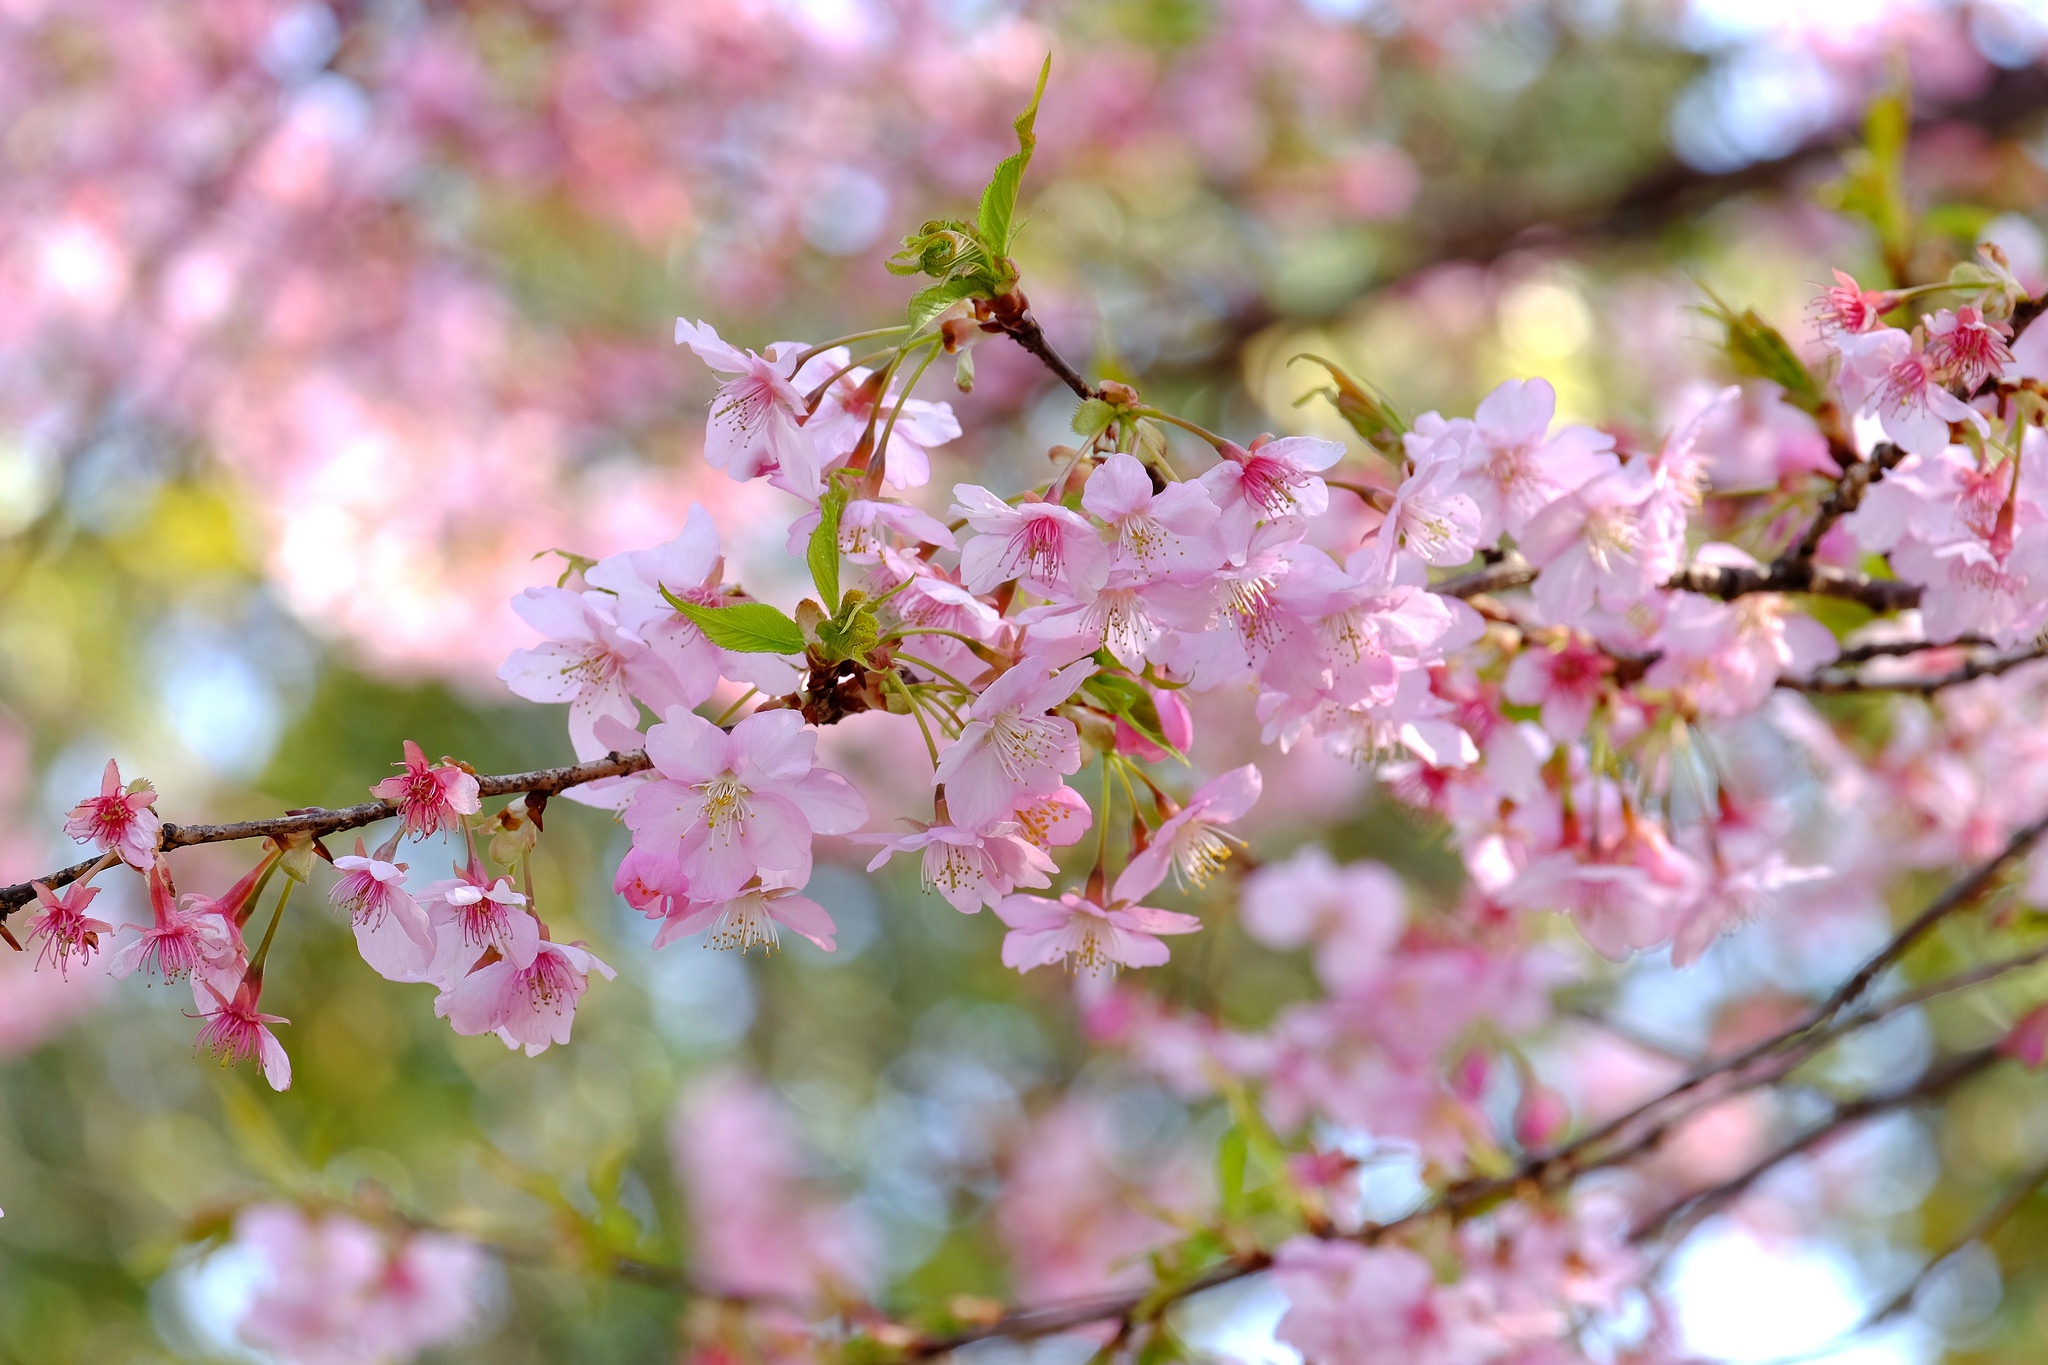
(1337,793)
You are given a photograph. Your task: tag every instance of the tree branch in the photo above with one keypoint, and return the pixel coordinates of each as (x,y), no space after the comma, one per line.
(1686,1213)
(319,821)
(1879,594)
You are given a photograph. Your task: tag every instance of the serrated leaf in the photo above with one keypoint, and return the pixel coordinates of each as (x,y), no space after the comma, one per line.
(822,554)
(1092,417)
(928,303)
(996,223)
(852,633)
(743,627)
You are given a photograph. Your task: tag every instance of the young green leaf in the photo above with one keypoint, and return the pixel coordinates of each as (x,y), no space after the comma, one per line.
(1126,697)
(743,627)
(996,223)
(822,554)
(928,303)
(1092,416)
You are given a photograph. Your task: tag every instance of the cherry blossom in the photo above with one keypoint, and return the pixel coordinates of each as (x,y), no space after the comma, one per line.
(182,939)
(1846,306)
(1356,1305)
(392,931)
(1010,749)
(1272,481)
(1171,533)
(1044,547)
(757,416)
(471,919)
(118,820)
(235,1031)
(431,798)
(63,926)
(970,869)
(755,916)
(336,1291)
(1515,464)
(1187,842)
(729,807)
(1086,935)
(529,1005)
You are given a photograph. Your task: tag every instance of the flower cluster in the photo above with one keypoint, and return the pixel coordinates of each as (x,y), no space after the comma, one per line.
(338,1290)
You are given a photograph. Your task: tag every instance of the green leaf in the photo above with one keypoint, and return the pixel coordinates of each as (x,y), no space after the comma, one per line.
(743,627)
(852,631)
(1092,417)
(926,304)
(822,554)
(1124,696)
(996,223)
(941,248)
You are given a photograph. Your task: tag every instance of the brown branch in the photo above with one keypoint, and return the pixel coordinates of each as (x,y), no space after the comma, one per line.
(318,821)
(1572,1158)
(1845,497)
(1984,666)
(1879,594)
(1686,1212)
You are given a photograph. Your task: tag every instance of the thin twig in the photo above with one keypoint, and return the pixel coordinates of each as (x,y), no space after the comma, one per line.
(1984,666)
(1879,594)
(1686,1213)
(318,821)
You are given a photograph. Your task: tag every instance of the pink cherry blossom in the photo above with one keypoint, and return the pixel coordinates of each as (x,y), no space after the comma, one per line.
(1848,307)
(757,415)
(1353,915)
(1886,373)
(336,1291)
(1596,544)
(118,820)
(1057,819)
(392,931)
(970,869)
(1187,842)
(590,661)
(235,1031)
(63,926)
(757,1225)
(1010,749)
(1086,936)
(181,940)
(531,1005)
(471,919)
(868,525)
(1965,349)
(1566,680)
(729,807)
(849,404)
(431,798)
(1272,481)
(1355,1305)
(1431,516)
(1171,534)
(1047,549)
(678,665)
(1515,465)
(753,916)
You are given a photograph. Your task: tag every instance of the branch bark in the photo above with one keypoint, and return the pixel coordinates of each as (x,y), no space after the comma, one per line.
(319,821)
